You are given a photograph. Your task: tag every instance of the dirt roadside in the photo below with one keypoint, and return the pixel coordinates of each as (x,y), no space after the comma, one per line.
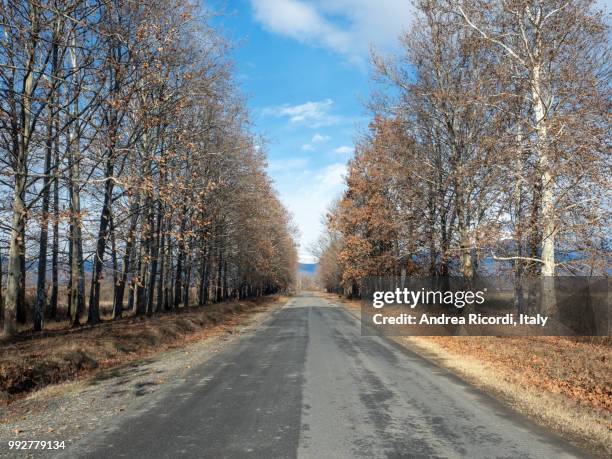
(562,385)
(68,411)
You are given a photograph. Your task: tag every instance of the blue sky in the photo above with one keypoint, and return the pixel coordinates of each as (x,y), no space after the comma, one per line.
(303,65)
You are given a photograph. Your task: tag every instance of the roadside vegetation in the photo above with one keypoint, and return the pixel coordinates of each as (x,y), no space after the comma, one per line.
(130,180)
(488,150)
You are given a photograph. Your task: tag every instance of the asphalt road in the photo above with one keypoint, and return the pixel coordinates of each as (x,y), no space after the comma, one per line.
(306,384)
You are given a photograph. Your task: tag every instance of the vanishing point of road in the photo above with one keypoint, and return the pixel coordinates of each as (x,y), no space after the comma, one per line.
(306,384)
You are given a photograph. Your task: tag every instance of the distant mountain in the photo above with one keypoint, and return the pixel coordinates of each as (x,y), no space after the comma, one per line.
(307,268)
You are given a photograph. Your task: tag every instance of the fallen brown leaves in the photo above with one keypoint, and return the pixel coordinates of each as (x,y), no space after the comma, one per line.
(578,370)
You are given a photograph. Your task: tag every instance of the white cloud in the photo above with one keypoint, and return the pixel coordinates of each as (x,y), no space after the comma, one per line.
(286,165)
(312,114)
(300,20)
(343,150)
(348,27)
(318,138)
(308,194)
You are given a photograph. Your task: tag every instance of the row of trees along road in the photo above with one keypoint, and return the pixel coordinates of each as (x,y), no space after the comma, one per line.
(490,140)
(126,154)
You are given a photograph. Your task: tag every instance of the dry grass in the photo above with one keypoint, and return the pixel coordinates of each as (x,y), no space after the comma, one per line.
(61,320)
(32,361)
(562,383)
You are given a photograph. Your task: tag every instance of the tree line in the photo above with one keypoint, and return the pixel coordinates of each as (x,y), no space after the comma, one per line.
(127,160)
(488,149)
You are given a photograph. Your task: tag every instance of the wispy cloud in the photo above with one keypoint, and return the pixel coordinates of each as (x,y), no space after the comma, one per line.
(302,21)
(348,27)
(312,114)
(318,138)
(343,150)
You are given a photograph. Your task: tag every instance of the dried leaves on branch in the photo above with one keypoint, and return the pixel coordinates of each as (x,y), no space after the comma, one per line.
(489,152)
(129,177)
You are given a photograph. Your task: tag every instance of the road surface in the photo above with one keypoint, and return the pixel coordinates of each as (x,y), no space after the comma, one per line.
(306,384)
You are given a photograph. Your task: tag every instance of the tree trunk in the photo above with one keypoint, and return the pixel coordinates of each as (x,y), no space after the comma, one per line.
(464,240)
(517,204)
(168,274)
(547,198)
(219,286)
(15,280)
(120,286)
(443,271)
(135,281)
(548,297)
(52,306)
(77,292)
(187,283)
(41,290)
(98,264)
(224,292)
(203,288)
(432,234)
(154,260)
(144,261)
(178,280)
(161,279)
(140,293)
(114,251)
